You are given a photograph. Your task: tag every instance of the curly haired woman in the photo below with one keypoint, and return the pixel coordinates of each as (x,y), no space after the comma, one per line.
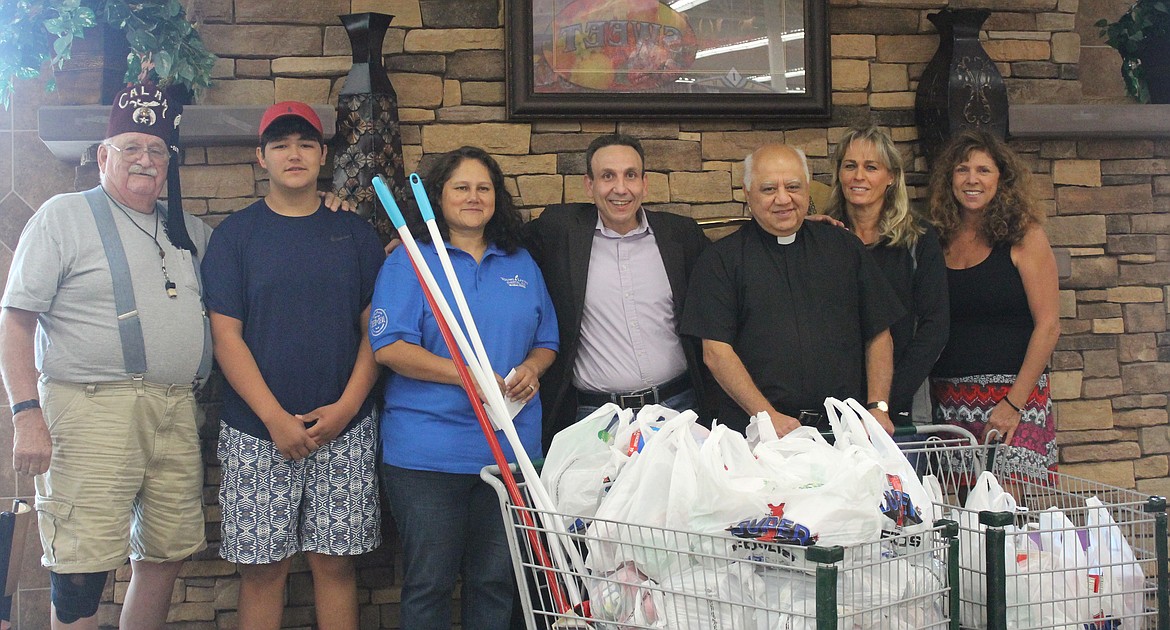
(1003,287)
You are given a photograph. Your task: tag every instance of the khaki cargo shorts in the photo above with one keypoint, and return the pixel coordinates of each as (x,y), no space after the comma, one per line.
(126,477)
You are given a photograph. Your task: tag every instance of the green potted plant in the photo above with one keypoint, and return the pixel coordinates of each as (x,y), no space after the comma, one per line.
(164,46)
(35,31)
(1142,36)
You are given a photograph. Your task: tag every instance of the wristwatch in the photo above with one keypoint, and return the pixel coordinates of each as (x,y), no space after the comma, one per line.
(879,405)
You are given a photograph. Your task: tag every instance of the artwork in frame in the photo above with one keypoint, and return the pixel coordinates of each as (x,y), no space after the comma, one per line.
(668,59)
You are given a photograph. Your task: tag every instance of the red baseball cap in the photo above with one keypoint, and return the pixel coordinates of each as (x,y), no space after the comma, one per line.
(290,108)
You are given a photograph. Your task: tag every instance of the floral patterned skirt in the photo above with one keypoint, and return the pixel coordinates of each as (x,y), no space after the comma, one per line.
(967,402)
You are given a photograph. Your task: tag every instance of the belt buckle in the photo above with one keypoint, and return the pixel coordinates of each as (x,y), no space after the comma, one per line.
(639,399)
(810,418)
(632,401)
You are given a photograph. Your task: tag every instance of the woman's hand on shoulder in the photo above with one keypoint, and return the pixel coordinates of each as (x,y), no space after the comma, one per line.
(824,218)
(334,203)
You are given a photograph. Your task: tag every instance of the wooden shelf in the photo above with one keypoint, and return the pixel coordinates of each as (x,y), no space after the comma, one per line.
(1089,121)
(69,130)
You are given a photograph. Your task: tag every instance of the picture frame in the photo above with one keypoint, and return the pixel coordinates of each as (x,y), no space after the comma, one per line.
(631,59)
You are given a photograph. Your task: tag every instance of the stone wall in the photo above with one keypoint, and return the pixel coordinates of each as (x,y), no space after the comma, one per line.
(1108,201)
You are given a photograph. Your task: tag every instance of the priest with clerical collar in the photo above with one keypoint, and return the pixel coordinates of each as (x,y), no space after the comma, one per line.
(791,311)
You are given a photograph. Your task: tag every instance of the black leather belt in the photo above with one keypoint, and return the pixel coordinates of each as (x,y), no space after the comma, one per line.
(641,398)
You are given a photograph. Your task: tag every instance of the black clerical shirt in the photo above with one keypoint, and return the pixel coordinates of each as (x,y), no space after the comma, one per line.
(797,315)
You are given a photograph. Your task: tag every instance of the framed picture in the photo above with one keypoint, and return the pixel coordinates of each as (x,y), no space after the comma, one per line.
(668,58)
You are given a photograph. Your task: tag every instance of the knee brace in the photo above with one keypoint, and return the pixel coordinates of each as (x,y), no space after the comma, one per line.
(76,595)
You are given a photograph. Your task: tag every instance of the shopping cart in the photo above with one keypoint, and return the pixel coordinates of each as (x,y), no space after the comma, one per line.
(1112,591)
(708,581)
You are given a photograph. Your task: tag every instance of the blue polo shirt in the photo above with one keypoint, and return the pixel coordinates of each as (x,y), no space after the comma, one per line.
(431,426)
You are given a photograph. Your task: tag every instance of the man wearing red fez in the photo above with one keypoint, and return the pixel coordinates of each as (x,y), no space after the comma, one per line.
(103,340)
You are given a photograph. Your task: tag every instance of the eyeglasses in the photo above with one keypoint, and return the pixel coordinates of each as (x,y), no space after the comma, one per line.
(134,152)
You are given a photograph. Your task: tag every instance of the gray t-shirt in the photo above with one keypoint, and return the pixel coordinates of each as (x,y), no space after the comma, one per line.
(60,271)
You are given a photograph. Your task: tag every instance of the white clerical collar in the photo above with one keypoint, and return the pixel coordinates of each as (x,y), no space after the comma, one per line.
(786,240)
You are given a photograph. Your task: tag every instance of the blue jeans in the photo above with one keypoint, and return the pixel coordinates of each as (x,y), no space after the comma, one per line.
(450,525)
(679,402)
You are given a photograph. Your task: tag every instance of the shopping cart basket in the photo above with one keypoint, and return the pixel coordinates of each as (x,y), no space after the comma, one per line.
(1113,591)
(727,582)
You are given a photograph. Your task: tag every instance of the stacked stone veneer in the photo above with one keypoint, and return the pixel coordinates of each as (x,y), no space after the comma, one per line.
(1107,199)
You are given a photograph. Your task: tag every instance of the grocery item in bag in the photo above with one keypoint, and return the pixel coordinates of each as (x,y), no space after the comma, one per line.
(627,596)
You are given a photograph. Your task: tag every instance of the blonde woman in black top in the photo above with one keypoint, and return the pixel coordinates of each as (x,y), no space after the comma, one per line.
(869,197)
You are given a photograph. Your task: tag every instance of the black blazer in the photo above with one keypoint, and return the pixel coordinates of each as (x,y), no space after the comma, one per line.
(560,240)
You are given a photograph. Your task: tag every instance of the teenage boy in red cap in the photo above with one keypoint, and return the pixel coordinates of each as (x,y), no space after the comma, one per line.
(103,307)
(288,287)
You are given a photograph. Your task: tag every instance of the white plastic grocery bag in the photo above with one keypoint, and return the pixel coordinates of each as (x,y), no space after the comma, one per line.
(581,463)
(876,590)
(712,596)
(627,596)
(906,502)
(1114,572)
(987,495)
(832,494)
(882,590)
(730,483)
(650,493)
(790,600)
(745,498)
(760,429)
(1064,586)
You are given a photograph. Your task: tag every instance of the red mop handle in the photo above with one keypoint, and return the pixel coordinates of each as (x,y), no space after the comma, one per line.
(494,444)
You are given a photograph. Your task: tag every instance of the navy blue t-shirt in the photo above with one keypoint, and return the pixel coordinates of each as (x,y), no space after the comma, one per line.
(299,285)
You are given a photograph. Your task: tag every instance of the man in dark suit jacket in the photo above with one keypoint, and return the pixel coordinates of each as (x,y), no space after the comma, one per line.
(618,276)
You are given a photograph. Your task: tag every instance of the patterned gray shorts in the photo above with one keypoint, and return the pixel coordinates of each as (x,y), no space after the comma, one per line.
(326,503)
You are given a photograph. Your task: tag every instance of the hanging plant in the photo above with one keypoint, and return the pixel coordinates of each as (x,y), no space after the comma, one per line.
(1144,26)
(164,46)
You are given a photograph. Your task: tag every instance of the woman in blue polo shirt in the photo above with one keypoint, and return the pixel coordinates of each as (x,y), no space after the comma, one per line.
(432,447)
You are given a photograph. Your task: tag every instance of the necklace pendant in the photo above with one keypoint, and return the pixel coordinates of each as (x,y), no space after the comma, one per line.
(170,287)
(162,254)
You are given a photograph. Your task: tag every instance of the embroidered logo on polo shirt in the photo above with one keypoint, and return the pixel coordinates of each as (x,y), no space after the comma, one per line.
(378,322)
(515,281)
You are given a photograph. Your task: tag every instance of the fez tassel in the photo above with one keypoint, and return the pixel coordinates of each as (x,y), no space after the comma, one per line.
(483,375)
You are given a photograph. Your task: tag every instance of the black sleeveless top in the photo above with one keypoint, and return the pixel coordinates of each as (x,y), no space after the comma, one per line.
(990,320)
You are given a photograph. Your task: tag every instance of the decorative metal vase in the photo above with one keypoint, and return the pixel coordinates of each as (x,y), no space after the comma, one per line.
(960,88)
(368,142)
